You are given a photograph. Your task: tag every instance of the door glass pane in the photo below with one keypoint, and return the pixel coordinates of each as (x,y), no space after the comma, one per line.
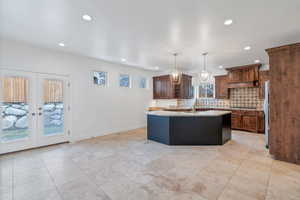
(14,109)
(53,108)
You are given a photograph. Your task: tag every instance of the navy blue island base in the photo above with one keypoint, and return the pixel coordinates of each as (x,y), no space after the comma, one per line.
(189,129)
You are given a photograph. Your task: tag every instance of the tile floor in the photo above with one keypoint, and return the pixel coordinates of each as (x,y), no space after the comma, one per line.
(124,167)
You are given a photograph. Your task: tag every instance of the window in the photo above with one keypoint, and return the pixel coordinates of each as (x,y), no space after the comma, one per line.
(100,78)
(206,90)
(124,80)
(143,82)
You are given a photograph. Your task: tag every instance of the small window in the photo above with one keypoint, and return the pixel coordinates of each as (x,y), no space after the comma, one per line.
(143,82)
(206,90)
(124,80)
(100,78)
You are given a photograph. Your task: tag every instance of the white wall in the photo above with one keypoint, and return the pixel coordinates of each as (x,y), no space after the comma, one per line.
(95,110)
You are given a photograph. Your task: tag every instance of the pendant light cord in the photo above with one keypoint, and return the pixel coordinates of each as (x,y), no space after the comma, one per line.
(175,61)
(204,60)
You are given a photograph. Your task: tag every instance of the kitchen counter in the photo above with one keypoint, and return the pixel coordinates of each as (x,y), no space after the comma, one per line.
(216,108)
(173,108)
(189,114)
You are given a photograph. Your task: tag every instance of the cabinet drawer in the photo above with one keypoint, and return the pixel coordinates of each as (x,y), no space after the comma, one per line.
(250,113)
(237,112)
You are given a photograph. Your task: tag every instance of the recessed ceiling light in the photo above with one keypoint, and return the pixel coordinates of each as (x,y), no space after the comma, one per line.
(247,48)
(123,60)
(86,17)
(156,67)
(257,61)
(221,67)
(61,44)
(228,22)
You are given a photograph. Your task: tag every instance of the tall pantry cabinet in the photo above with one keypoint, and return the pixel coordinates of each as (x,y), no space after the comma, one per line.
(284,138)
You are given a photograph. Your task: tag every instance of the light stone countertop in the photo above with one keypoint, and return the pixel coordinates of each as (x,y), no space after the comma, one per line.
(189,114)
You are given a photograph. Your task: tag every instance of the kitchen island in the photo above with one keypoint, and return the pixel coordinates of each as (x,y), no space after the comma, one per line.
(189,128)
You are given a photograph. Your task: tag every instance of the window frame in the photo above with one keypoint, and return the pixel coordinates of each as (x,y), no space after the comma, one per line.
(129,81)
(206,90)
(106,79)
(146,82)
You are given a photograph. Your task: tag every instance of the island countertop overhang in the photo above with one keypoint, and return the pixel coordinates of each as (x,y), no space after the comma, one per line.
(210,113)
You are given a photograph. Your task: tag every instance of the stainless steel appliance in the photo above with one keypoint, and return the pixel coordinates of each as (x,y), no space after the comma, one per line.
(267,113)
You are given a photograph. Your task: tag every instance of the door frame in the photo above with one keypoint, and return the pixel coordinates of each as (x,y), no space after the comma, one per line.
(34,76)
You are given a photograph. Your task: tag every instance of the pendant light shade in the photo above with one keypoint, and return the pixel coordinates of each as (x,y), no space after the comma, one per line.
(204,74)
(176,75)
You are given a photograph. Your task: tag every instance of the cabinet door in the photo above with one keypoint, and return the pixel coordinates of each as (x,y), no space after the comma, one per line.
(156,87)
(235,76)
(249,123)
(185,88)
(261,122)
(236,121)
(249,74)
(221,87)
(162,87)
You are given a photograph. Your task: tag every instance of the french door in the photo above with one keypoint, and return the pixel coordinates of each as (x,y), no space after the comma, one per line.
(34,110)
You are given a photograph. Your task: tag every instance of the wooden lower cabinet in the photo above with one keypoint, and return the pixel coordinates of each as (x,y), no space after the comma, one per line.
(252,121)
(236,121)
(249,123)
(245,120)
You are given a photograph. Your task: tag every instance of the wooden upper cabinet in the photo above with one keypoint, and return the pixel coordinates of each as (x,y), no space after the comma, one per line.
(221,87)
(263,77)
(185,91)
(163,88)
(243,76)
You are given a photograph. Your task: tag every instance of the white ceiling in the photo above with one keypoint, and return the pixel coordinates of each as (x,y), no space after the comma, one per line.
(145,32)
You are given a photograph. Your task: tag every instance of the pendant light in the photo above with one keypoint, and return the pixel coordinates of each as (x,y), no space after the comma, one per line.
(176,75)
(204,74)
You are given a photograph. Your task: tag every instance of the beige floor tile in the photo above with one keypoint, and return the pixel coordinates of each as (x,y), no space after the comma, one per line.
(127,166)
(247,187)
(65,175)
(82,189)
(6,176)
(34,187)
(45,195)
(283,187)
(233,194)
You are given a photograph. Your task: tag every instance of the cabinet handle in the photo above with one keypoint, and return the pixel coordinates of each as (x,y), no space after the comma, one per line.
(33,114)
(40,113)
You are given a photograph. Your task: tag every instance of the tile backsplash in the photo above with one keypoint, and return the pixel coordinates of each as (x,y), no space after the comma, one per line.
(244,98)
(172,103)
(239,98)
(213,103)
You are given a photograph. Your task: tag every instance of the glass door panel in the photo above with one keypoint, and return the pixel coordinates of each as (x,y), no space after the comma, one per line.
(53,107)
(17,120)
(15,109)
(53,96)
